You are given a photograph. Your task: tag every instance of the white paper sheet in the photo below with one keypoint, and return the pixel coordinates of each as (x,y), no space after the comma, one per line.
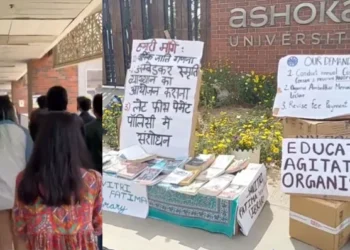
(124,197)
(160,93)
(313,86)
(316,166)
(252,200)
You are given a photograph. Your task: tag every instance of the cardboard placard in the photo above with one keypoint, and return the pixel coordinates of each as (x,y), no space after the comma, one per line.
(252,200)
(319,223)
(124,197)
(316,167)
(313,87)
(300,128)
(161,97)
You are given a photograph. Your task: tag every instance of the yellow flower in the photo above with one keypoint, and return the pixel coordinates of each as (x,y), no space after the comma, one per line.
(256,79)
(255,89)
(260,86)
(211,70)
(277,133)
(268,159)
(275,150)
(205,151)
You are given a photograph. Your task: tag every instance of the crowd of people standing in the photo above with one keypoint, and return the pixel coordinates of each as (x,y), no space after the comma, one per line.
(50,180)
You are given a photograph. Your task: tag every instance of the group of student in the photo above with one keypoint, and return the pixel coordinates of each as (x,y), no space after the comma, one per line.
(50,176)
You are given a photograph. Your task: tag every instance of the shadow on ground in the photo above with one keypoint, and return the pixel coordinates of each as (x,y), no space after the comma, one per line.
(194,238)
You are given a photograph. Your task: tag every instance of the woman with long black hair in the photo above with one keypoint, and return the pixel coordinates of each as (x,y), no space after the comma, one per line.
(58,200)
(15,149)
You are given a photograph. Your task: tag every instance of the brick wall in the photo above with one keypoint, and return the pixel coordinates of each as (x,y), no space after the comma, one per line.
(19,91)
(45,76)
(320,38)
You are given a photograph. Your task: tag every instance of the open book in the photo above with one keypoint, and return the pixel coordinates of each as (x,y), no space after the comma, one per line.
(217,168)
(200,162)
(135,154)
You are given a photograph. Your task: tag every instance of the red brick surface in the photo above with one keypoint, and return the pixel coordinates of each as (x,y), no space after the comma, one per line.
(45,76)
(264,58)
(20,92)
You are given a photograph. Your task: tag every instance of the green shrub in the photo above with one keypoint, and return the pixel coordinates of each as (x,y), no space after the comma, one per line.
(241,89)
(110,123)
(257,90)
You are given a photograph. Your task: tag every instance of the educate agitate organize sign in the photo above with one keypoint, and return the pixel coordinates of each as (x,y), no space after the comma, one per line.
(316,167)
(313,87)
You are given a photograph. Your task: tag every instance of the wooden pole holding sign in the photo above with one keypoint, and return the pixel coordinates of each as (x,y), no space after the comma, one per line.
(195,119)
(167,34)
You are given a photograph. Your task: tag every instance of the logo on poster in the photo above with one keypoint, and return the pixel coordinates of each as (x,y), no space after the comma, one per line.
(292,61)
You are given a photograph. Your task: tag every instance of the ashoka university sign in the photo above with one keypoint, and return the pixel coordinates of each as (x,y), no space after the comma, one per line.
(300,26)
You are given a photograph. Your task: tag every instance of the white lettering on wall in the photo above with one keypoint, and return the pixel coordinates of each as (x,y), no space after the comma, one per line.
(320,12)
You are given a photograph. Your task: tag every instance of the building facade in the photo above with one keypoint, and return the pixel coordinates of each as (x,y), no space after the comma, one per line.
(255,34)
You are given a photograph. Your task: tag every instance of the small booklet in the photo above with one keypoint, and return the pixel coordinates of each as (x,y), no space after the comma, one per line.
(155,181)
(215,186)
(200,162)
(156,163)
(177,176)
(132,170)
(171,165)
(237,165)
(114,166)
(217,168)
(191,189)
(210,173)
(223,161)
(135,154)
(149,174)
(191,178)
(232,192)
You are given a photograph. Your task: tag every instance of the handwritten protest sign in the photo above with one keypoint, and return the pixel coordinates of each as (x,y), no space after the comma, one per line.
(252,200)
(316,167)
(313,87)
(161,96)
(124,197)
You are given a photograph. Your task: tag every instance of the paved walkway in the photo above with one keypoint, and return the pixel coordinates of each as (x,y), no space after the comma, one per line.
(270,231)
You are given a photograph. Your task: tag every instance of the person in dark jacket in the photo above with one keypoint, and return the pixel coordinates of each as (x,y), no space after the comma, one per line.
(84,106)
(93,135)
(41,101)
(57,101)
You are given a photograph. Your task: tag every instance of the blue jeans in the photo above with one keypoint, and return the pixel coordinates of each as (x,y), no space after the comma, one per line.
(99,242)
